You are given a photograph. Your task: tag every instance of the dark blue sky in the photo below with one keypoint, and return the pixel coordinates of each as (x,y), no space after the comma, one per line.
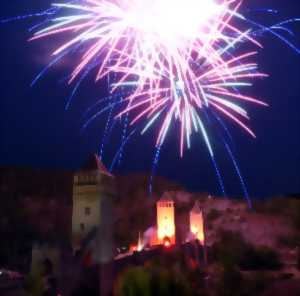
(37,131)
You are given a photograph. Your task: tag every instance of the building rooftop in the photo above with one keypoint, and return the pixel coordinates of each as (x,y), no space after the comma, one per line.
(166,196)
(196,208)
(94,163)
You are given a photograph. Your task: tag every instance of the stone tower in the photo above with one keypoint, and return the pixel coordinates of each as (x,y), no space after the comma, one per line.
(197,223)
(94,191)
(165,220)
(87,194)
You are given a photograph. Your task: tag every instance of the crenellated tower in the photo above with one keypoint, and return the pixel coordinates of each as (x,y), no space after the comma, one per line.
(165,221)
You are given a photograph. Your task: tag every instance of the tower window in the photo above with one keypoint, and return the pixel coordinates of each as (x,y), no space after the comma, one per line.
(82,226)
(87,211)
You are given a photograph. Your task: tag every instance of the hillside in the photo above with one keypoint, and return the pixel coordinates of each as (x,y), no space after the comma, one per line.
(37,205)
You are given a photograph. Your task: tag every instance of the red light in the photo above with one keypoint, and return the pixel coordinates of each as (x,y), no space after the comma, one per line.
(167,244)
(133,248)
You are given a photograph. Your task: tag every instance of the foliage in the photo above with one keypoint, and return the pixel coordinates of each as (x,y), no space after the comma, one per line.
(229,249)
(15,234)
(148,281)
(298,258)
(232,250)
(197,279)
(295,216)
(231,282)
(287,207)
(291,241)
(213,215)
(134,281)
(286,276)
(261,258)
(34,283)
(259,282)
(274,206)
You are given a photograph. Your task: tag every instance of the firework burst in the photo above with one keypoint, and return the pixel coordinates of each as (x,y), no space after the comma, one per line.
(179,61)
(176,54)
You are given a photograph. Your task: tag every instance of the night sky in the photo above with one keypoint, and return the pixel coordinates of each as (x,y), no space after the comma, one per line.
(37,131)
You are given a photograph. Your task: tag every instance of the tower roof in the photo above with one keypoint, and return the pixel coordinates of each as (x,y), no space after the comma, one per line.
(95,164)
(166,197)
(196,208)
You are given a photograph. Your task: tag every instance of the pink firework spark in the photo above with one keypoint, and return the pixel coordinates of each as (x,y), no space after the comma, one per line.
(178,54)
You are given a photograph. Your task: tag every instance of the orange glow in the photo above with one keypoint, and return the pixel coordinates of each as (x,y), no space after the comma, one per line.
(140,244)
(167,244)
(165,221)
(196,224)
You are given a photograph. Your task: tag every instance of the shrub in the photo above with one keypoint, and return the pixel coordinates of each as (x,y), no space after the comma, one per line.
(262,258)
(213,215)
(232,250)
(33,283)
(295,216)
(274,206)
(231,282)
(298,259)
(286,276)
(259,282)
(142,281)
(135,281)
(289,241)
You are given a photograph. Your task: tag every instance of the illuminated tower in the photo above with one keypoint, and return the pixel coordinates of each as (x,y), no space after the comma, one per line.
(196,223)
(165,221)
